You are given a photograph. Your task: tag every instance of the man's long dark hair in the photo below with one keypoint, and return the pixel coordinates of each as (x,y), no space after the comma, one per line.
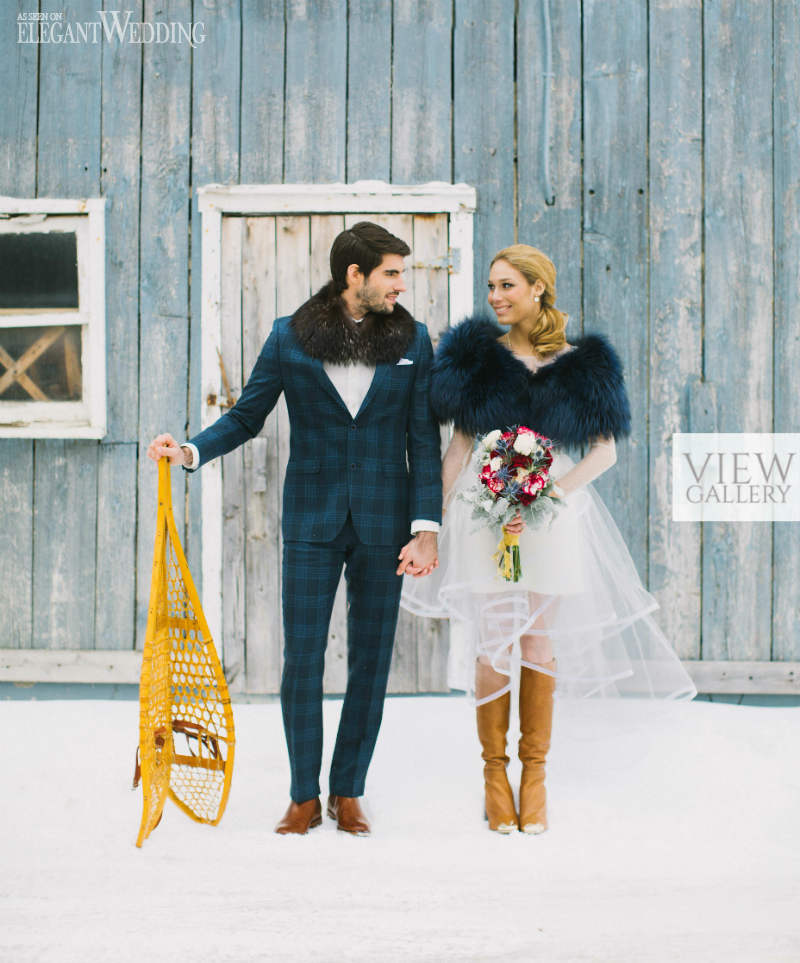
(363,244)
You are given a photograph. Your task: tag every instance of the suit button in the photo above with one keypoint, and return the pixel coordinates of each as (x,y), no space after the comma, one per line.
(353,465)
(353,427)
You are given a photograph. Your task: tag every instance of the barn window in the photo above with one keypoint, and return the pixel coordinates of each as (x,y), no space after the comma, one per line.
(52,318)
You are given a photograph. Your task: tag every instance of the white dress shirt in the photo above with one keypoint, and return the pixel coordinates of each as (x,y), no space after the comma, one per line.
(352,382)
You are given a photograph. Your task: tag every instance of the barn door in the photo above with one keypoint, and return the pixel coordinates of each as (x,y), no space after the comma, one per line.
(269,266)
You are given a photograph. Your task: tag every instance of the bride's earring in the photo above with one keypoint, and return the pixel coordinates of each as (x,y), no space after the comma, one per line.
(536,299)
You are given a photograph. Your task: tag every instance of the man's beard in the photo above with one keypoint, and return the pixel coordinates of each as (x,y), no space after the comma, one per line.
(371,300)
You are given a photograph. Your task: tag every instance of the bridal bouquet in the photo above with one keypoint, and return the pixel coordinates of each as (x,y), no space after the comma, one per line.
(514,477)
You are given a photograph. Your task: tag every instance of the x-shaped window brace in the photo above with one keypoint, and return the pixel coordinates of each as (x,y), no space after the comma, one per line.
(16,369)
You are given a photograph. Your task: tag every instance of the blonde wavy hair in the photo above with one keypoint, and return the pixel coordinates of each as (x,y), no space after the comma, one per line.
(547,335)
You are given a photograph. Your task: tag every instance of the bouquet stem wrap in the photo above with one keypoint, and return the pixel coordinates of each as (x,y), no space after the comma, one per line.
(507,557)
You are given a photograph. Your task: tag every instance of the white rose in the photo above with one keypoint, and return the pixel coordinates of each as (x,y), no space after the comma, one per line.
(525,444)
(491,439)
(496,463)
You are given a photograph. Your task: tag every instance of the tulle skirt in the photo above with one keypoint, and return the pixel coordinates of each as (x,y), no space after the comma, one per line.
(579,601)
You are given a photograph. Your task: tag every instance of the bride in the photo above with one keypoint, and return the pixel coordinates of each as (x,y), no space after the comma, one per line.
(579,619)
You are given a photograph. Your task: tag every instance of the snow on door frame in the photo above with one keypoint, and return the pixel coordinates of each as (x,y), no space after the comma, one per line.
(363,197)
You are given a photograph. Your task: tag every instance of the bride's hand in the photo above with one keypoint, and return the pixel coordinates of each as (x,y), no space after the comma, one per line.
(516,526)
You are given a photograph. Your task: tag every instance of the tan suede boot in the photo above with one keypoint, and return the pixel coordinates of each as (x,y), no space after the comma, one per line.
(492,729)
(535,723)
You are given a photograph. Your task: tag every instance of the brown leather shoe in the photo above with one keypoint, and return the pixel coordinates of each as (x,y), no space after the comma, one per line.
(349,816)
(300,817)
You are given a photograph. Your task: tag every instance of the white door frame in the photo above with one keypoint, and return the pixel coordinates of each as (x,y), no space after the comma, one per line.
(363,197)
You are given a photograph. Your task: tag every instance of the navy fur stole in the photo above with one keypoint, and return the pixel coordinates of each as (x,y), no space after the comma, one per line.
(325,332)
(479,385)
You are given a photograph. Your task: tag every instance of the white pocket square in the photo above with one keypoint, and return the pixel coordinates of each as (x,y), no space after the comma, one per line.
(405,361)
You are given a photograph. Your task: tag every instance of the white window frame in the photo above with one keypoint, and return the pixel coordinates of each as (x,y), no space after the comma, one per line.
(363,197)
(64,419)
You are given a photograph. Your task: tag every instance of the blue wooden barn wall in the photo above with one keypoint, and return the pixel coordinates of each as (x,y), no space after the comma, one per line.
(672,142)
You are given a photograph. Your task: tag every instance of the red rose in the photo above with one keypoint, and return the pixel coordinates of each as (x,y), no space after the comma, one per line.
(533,484)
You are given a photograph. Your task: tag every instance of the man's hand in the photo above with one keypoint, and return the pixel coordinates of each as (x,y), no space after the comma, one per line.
(166,446)
(420,556)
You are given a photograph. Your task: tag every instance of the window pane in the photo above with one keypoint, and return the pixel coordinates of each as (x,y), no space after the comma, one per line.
(40,364)
(39,270)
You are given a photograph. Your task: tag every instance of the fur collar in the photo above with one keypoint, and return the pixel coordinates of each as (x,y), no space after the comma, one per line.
(325,332)
(479,385)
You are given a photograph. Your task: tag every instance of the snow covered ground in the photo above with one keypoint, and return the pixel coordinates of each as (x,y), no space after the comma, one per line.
(675,833)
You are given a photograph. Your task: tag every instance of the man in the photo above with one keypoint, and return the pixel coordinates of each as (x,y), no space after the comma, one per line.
(363,475)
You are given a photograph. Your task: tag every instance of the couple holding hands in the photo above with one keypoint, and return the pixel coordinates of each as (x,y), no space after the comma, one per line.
(364,491)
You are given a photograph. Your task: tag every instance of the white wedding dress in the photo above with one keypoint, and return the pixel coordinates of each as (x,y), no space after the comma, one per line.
(579,599)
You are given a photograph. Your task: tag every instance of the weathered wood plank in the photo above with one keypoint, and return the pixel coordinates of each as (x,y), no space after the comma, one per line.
(215,159)
(18,119)
(430,242)
(65,472)
(261,135)
(737,557)
(92,666)
(16,542)
(421,91)
(262,520)
(68,161)
(18,73)
(766,678)
(615,237)
(553,228)
(116,546)
(324,229)
(163,285)
(316,80)
(369,90)
(117,464)
(64,544)
(119,179)
(232,643)
(786,126)
(676,350)
(483,123)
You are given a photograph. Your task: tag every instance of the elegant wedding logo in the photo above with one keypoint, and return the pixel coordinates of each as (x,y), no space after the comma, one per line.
(113,25)
(728,477)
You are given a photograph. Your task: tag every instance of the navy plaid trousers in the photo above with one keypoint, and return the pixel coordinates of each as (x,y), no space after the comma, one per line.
(311,572)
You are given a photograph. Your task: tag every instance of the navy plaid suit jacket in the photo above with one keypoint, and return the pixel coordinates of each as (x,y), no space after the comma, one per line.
(338,463)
